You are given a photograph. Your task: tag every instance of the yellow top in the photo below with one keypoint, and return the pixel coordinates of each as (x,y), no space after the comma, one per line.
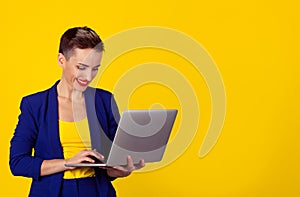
(75,137)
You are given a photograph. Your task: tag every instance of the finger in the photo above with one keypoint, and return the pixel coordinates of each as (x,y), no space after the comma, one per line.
(97,155)
(85,155)
(92,153)
(86,159)
(130,166)
(85,152)
(129,162)
(141,164)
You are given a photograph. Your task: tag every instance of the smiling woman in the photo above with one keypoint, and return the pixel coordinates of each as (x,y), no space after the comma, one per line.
(45,125)
(80,69)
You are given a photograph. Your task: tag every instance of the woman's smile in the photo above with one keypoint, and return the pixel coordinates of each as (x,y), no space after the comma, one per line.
(82,82)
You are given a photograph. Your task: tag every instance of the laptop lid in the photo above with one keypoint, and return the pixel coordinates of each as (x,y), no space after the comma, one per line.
(142,134)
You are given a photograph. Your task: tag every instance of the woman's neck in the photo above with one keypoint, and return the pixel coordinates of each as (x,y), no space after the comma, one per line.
(67,91)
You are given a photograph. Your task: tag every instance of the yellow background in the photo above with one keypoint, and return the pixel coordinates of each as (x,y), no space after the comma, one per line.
(255,45)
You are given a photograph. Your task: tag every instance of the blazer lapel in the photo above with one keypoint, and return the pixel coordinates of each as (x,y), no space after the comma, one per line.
(53,127)
(53,136)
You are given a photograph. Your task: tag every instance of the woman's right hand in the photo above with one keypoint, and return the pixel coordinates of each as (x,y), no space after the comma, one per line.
(84,156)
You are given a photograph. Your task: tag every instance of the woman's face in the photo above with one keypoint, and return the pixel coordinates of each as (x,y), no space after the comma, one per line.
(81,68)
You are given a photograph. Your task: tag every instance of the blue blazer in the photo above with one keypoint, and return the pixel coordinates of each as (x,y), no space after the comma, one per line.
(38,129)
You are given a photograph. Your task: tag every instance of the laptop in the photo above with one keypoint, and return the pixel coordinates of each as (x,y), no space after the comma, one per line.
(142,134)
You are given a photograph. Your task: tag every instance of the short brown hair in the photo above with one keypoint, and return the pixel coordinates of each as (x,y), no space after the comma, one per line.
(79,37)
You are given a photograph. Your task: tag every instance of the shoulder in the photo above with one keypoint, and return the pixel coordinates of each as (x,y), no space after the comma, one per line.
(103,92)
(37,97)
(40,98)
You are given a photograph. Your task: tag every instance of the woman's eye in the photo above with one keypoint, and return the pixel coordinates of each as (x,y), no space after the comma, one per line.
(95,69)
(80,67)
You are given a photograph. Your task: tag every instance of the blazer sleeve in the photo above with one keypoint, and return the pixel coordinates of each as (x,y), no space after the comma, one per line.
(21,162)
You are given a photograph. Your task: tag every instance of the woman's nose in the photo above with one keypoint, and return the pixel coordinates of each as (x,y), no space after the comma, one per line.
(88,75)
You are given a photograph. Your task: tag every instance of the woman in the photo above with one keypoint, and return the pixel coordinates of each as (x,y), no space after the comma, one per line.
(48,120)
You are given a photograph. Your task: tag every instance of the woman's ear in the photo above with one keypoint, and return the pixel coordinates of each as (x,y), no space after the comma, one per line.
(61,60)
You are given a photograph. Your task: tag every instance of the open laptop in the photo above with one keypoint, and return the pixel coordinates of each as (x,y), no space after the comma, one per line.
(142,134)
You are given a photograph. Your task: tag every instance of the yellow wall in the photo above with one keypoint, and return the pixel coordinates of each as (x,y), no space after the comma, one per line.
(255,45)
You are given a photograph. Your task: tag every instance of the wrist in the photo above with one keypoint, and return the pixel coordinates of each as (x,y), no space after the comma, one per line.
(65,161)
(110,173)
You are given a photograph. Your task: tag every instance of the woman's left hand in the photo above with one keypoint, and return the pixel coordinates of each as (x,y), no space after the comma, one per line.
(123,171)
